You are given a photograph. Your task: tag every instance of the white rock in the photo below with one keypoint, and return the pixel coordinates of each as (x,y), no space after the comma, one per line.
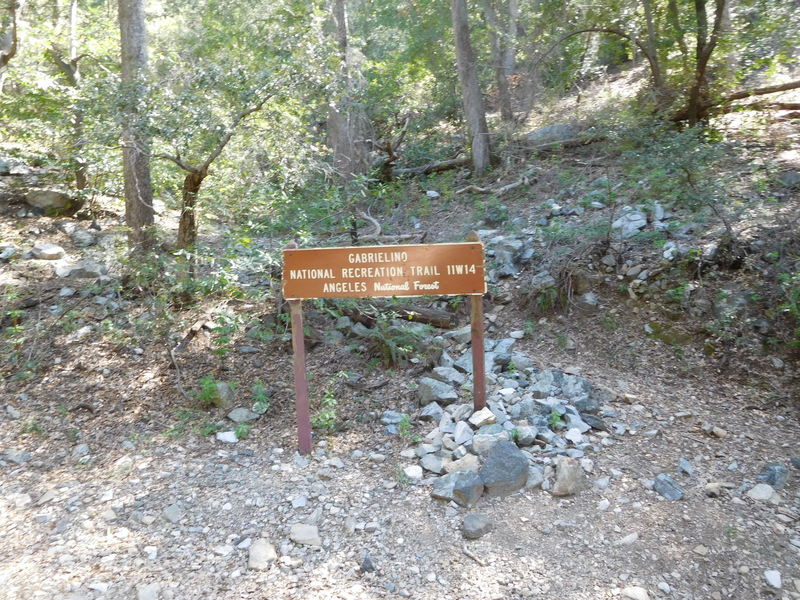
(574,435)
(773,578)
(635,593)
(308,535)
(482,417)
(261,555)
(227,437)
(627,540)
(761,491)
(47,251)
(413,472)
(148,591)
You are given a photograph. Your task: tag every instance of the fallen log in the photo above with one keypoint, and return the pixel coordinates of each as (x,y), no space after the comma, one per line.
(525,179)
(436,167)
(407,312)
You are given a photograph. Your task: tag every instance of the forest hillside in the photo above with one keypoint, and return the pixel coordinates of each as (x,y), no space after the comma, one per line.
(631,169)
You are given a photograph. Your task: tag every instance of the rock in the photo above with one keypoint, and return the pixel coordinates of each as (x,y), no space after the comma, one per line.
(47,251)
(790,179)
(82,238)
(630,223)
(391,417)
(761,492)
(307,535)
(774,474)
(18,457)
(225,395)
(448,375)
(80,451)
(8,252)
(570,478)
(431,412)
(261,555)
(557,132)
(482,417)
(574,435)
(535,477)
(684,466)
(773,579)
(242,415)
(54,203)
(475,525)
(173,513)
(433,390)
(462,434)
(713,489)
(84,269)
(148,591)
(367,566)
(227,437)
(667,487)
(413,473)
(629,539)
(464,363)
(487,436)
(459,336)
(469,462)
(505,470)
(524,435)
(635,593)
(433,463)
(463,488)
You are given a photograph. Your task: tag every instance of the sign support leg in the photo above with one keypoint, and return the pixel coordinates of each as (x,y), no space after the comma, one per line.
(300,381)
(478,359)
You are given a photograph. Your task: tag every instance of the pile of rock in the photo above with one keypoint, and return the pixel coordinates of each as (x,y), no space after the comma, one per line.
(536,424)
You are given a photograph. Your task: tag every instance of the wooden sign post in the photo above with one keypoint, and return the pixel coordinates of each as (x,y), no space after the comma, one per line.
(382,271)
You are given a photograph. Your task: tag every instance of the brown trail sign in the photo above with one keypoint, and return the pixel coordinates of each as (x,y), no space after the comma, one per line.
(382,271)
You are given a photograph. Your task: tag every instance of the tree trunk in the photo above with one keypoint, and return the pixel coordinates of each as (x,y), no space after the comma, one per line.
(8,42)
(500,74)
(187,227)
(652,48)
(139,216)
(470,89)
(510,52)
(698,93)
(673,17)
(348,126)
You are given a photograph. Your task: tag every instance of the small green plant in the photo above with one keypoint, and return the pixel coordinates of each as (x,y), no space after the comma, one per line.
(210,429)
(515,435)
(547,299)
(402,478)
(261,400)
(208,395)
(790,285)
(242,431)
(679,293)
(326,417)
(32,426)
(554,420)
(406,430)
(609,323)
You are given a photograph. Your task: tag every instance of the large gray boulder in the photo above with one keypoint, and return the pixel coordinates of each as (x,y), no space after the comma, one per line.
(54,203)
(558,132)
(570,478)
(505,470)
(85,269)
(462,487)
(433,390)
